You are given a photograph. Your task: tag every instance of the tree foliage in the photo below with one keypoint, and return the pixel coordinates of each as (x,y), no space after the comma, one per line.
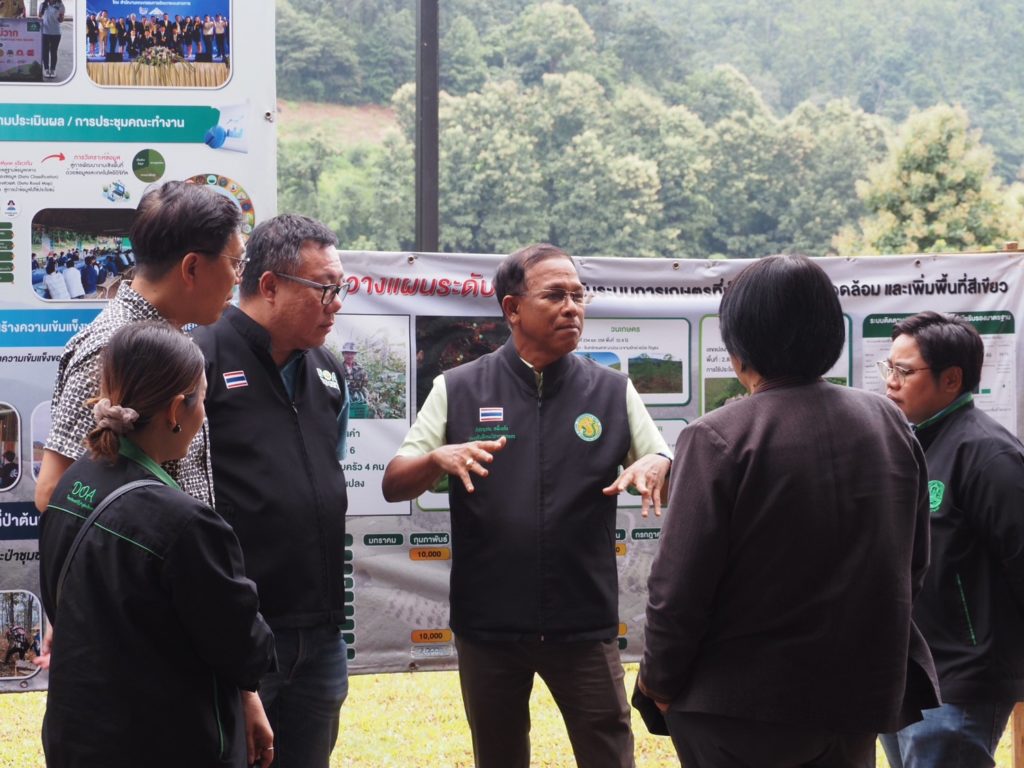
(935,191)
(673,128)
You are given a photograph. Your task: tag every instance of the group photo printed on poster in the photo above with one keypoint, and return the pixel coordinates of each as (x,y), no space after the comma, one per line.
(182,44)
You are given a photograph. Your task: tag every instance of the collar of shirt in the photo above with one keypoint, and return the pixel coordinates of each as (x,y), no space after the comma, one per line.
(137,306)
(131,451)
(960,402)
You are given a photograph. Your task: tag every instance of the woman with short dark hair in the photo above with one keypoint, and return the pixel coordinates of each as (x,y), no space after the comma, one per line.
(158,644)
(779,624)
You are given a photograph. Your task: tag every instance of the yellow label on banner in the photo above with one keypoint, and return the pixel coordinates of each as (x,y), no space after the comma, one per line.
(622,630)
(432,636)
(620,549)
(430,553)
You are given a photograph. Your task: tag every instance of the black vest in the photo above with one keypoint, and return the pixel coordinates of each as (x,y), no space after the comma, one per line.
(534,545)
(276,474)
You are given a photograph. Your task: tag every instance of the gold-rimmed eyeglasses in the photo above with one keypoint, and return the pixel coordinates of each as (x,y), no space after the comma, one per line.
(239,264)
(898,371)
(557,296)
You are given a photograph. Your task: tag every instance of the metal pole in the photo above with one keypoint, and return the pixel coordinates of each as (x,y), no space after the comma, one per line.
(427,69)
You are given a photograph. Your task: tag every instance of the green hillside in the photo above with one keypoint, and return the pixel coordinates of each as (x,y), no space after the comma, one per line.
(670,129)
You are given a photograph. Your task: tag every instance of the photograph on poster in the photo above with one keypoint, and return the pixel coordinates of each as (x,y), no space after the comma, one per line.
(374,354)
(656,374)
(20,633)
(443,342)
(145,46)
(40,429)
(36,41)
(10,447)
(80,253)
(607,359)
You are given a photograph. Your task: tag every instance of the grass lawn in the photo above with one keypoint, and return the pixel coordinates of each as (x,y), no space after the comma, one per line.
(401,720)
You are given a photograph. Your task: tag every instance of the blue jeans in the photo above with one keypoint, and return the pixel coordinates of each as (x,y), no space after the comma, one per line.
(950,736)
(303,698)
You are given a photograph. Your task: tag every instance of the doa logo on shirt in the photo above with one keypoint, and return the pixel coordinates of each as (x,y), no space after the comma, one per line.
(328,379)
(588,427)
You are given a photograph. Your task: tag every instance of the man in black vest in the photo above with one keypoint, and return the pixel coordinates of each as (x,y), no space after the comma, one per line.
(278,412)
(532,437)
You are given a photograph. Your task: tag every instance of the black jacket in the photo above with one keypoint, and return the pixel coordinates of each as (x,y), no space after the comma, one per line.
(795,540)
(971,610)
(534,546)
(276,474)
(156,630)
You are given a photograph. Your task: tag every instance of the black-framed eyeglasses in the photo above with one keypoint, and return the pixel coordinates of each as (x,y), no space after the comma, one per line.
(898,371)
(239,264)
(329,291)
(557,296)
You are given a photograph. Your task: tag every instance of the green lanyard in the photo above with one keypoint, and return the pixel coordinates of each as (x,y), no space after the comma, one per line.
(130,450)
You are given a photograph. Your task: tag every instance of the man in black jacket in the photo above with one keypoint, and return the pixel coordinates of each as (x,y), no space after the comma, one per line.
(532,437)
(971,608)
(278,412)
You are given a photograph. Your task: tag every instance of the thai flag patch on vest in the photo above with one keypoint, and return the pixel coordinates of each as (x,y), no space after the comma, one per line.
(235,379)
(492,414)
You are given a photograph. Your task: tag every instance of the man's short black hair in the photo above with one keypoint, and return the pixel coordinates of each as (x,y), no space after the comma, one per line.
(510,279)
(275,244)
(178,218)
(782,317)
(946,341)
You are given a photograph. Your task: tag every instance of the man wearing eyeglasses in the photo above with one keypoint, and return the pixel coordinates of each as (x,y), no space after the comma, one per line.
(971,608)
(189,255)
(532,437)
(278,412)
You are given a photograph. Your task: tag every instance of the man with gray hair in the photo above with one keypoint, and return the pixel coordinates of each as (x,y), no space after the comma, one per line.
(278,411)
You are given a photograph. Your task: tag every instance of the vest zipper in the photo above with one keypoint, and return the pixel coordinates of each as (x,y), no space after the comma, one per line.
(318,513)
(540,510)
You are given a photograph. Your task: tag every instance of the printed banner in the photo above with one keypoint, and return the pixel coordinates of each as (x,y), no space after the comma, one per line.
(411,316)
(408,317)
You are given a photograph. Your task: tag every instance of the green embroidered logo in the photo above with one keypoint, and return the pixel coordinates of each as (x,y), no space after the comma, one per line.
(82,495)
(936,490)
(588,427)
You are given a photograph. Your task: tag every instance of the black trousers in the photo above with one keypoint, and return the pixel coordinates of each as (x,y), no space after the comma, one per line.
(50,45)
(711,741)
(585,680)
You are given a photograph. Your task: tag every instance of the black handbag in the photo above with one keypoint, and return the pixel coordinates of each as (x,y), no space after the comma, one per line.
(649,712)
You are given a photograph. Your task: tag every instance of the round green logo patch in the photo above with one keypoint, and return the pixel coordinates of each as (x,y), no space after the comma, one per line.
(936,490)
(588,427)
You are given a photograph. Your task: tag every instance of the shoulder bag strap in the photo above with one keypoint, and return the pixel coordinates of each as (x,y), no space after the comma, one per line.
(88,524)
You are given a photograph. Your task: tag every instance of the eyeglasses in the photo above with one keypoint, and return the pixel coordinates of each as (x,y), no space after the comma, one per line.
(898,371)
(329,291)
(239,264)
(557,296)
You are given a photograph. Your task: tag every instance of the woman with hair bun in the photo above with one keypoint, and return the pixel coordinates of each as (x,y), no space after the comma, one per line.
(159,643)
